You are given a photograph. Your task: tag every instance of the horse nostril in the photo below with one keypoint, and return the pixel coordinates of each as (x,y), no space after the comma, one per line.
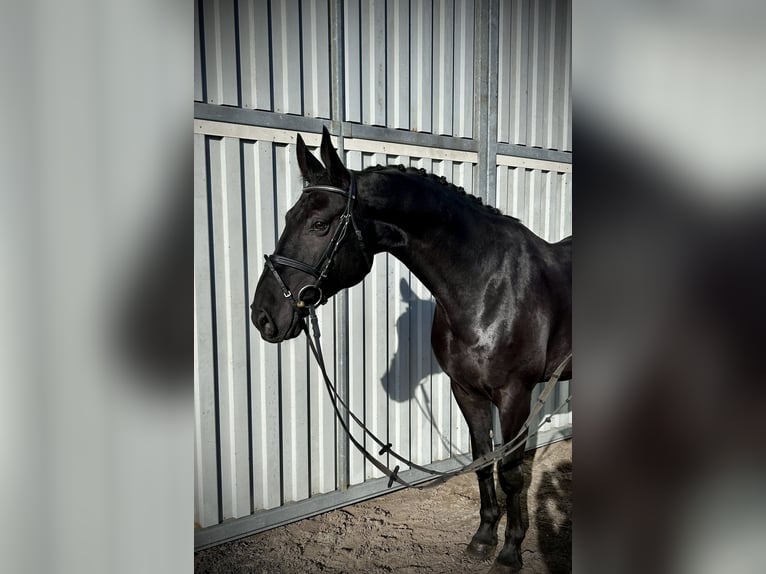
(265,324)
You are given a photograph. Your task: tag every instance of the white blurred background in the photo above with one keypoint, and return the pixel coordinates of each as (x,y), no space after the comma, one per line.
(670,316)
(95,157)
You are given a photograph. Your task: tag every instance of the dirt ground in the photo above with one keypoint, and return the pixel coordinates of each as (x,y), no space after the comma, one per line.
(413,531)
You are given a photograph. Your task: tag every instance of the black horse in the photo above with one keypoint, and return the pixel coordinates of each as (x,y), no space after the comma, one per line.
(503,297)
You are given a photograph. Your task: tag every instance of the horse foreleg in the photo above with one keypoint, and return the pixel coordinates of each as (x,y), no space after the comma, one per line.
(514,409)
(478,414)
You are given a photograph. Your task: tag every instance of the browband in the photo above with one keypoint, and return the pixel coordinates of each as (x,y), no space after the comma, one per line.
(350,193)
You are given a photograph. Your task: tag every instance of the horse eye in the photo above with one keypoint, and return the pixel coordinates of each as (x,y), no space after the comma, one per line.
(319,226)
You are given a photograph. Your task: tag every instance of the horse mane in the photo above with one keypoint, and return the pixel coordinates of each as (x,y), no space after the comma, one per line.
(440,179)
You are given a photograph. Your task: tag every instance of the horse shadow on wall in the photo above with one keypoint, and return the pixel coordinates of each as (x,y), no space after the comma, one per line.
(407,372)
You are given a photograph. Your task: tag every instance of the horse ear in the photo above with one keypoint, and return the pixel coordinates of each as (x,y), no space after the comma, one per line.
(336,169)
(310,167)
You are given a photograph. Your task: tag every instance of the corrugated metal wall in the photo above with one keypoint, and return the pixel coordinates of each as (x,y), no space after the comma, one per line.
(534,87)
(267,449)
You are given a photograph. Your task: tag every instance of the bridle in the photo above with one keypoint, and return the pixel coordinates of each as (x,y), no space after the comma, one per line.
(311,295)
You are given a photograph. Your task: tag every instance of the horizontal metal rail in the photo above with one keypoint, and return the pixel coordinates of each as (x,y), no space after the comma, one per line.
(264,520)
(264,119)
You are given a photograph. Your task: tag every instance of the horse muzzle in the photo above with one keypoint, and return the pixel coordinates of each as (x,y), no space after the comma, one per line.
(269,329)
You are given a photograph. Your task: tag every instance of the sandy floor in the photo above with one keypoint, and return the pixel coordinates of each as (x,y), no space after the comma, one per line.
(412,531)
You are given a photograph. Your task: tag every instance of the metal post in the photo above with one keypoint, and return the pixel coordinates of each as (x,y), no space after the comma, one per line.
(341,299)
(486,45)
(492,91)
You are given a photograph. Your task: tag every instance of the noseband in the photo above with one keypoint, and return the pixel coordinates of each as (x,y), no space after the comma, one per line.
(311,295)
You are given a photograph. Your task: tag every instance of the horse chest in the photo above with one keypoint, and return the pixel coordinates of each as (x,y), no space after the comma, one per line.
(479,360)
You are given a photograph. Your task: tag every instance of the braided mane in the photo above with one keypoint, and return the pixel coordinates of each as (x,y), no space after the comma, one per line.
(440,179)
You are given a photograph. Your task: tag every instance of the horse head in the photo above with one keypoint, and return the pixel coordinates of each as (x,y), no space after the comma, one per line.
(320,251)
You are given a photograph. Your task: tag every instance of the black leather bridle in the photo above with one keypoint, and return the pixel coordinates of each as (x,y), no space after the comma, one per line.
(311,295)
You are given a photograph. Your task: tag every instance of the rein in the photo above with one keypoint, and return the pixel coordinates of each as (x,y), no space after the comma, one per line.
(438,476)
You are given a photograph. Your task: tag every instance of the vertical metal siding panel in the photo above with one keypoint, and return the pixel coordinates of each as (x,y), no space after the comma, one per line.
(443,66)
(399,351)
(286,50)
(264,357)
(420,310)
(557,105)
(421,96)
(358,345)
(441,394)
(295,431)
(534,86)
(510,178)
(560,205)
(198,92)
(295,444)
(538,213)
(562,189)
(534,197)
(526,198)
(316,59)
(520,192)
(463,66)
(378,376)
(231,313)
(206,473)
(566,101)
(459,439)
(221,56)
(549,122)
(546,201)
(397,63)
(254,54)
(463,176)
(322,415)
(554,212)
(399,369)
(537,79)
(373,34)
(519,77)
(376,333)
(352,58)
(504,85)
(501,198)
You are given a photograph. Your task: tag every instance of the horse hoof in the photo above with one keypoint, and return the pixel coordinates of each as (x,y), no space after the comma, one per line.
(479,550)
(501,568)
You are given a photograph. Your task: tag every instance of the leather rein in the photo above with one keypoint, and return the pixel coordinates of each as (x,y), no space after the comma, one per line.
(311,296)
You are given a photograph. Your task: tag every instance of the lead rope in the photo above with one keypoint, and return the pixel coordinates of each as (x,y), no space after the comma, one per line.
(440,477)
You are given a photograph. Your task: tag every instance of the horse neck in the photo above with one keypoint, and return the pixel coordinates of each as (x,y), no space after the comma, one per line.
(438,235)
